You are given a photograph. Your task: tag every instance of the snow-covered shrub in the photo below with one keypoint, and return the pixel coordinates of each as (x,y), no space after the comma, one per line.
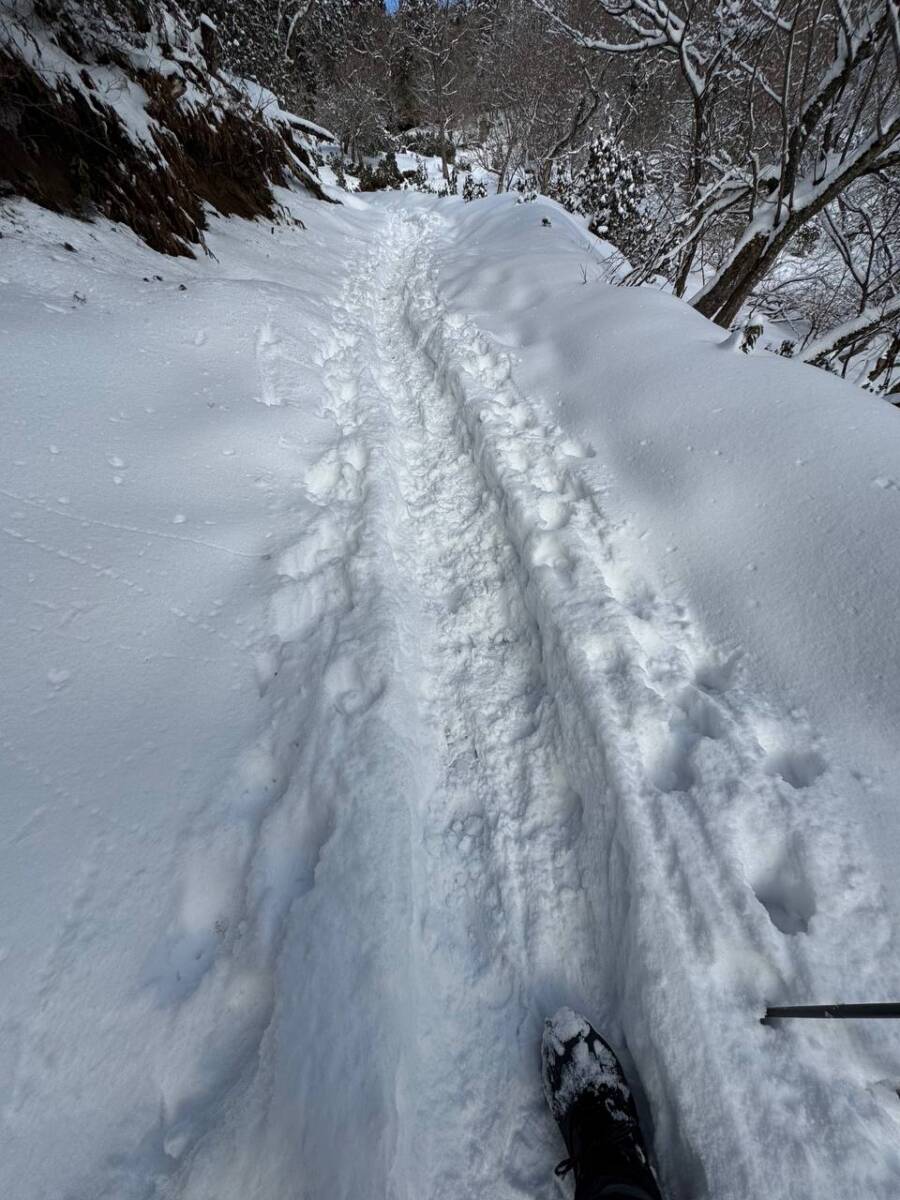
(417,180)
(428,143)
(473,189)
(525,188)
(610,190)
(385,176)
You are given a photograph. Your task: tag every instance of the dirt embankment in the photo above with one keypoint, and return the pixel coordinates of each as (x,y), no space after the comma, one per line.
(121,110)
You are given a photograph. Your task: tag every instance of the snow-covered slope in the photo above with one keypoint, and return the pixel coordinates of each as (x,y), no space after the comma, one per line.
(401,640)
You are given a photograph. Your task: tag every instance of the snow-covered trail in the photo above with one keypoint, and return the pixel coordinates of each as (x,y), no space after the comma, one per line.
(447,863)
(474,757)
(496,868)
(579,810)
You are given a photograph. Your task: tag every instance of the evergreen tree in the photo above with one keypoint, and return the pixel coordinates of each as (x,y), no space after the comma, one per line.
(473,189)
(385,176)
(610,190)
(421,177)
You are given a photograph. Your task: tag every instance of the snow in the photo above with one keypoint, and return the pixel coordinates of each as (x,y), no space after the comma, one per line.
(403,639)
(265,101)
(111,85)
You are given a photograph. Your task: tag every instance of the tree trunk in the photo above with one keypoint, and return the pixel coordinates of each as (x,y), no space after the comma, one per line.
(504,167)
(445,170)
(732,282)
(728,291)
(694,179)
(887,362)
(685,262)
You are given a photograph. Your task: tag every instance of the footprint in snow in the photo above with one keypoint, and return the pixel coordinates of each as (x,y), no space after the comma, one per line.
(785,894)
(553,512)
(546,550)
(696,718)
(673,770)
(204,1071)
(717,674)
(324,542)
(338,474)
(351,691)
(798,767)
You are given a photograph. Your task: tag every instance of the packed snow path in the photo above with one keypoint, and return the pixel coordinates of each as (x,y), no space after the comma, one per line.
(498,767)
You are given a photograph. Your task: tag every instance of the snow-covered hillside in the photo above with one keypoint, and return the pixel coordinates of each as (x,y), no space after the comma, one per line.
(403,638)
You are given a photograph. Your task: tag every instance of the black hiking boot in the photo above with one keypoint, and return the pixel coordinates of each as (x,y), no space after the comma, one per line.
(591,1101)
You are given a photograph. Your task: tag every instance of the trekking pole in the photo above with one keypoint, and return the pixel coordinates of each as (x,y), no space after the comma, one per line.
(832,1010)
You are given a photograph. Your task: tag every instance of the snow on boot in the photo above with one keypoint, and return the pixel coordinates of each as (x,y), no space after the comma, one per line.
(591,1101)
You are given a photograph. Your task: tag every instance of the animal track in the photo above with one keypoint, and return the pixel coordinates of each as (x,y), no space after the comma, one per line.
(717,674)
(701,717)
(797,767)
(786,897)
(695,718)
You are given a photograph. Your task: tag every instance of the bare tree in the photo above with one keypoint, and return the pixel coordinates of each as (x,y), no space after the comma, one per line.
(834,95)
(433,31)
(533,96)
(689,37)
(793,101)
(355,101)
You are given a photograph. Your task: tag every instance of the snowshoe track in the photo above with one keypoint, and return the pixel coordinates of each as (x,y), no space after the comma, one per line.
(668,758)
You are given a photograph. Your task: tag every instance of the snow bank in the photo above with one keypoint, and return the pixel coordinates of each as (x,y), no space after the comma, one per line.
(159,415)
(766,493)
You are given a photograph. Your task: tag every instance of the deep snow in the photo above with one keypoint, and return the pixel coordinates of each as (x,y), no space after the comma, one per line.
(402,639)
